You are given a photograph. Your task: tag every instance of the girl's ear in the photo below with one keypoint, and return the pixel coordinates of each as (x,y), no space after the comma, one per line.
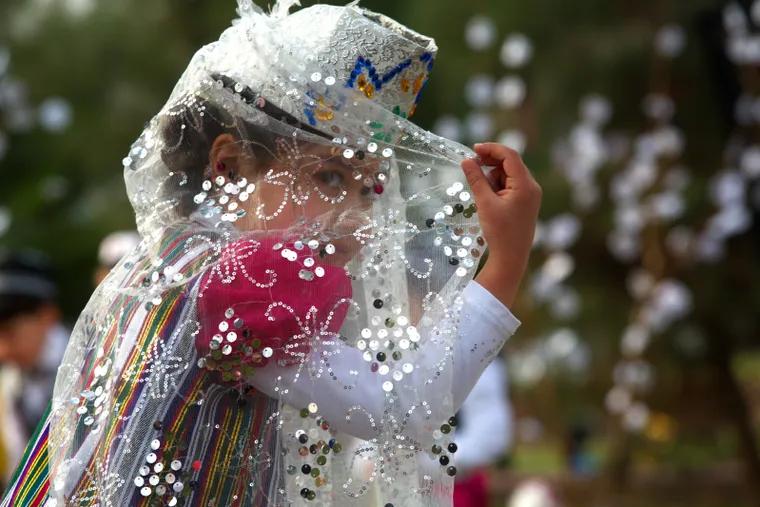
(225,155)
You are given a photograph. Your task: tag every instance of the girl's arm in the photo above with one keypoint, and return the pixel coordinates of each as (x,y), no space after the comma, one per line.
(508,199)
(352,398)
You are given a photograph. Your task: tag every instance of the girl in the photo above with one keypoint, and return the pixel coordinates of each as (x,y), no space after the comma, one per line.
(299,323)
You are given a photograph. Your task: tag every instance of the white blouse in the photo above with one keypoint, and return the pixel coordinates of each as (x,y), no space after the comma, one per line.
(485,325)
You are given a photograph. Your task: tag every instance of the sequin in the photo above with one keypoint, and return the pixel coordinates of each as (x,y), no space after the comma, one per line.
(289,254)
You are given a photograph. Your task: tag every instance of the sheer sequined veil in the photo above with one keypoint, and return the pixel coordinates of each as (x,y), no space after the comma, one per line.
(283,334)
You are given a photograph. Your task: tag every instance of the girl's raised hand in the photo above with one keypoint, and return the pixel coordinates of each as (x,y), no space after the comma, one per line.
(508,199)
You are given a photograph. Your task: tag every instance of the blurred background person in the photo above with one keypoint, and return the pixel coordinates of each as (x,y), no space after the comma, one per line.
(533,493)
(484,435)
(580,459)
(113,247)
(32,343)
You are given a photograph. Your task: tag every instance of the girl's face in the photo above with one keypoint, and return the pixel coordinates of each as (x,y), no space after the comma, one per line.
(312,191)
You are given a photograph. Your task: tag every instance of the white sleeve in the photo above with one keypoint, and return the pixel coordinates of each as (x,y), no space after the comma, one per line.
(354,401)
(485,429)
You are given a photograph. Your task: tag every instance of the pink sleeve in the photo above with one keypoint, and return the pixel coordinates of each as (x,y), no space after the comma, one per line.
(257,305)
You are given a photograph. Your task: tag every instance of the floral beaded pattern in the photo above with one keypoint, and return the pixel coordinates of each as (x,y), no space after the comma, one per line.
(287,331)
(411,74)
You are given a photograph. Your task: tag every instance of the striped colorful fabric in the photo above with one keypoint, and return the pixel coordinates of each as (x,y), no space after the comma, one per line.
(29,486)
(221,434)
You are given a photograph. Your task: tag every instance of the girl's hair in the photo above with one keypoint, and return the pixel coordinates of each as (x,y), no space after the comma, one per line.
(188,136)
(189,133)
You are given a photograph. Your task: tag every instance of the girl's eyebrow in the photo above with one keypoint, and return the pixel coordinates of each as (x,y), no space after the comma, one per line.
(335,160)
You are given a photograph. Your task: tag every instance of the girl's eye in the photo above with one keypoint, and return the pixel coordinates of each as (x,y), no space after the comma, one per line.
(331,178)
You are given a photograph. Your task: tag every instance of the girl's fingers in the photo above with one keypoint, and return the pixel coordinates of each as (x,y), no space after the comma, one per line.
(481,187)
(499,155)
(496,178)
